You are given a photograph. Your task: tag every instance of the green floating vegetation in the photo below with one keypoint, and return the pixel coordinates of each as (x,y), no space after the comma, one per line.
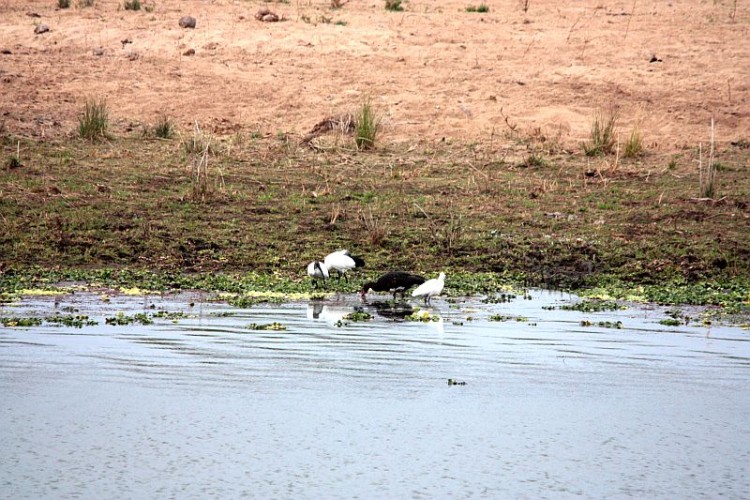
(20,322)
(453,381)
(670,322)
(593,305)
(266,326)
(358,316)
(507,317)
(423,316)
(172,316)
(603,324)
(121,319)
(501,298)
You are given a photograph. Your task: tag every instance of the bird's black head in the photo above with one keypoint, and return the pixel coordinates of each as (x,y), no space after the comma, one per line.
(366,288)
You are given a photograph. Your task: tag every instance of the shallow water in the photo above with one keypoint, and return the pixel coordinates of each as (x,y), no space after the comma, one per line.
(204,407)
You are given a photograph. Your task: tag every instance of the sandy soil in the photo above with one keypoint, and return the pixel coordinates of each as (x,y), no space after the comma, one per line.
(433,70)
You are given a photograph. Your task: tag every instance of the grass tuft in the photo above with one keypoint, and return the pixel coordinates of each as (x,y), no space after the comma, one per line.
(393,5)
(634,146)
(82,4)
(478,8)
(94,121)
(164,128)
(132,4)
(708,177)
(602,140)
(63,4)
(367,127)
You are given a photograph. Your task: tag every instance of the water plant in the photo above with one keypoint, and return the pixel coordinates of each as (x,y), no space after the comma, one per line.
(603,324)
(13,322)
(358,316)
(93,122)
(593,305)
(266,326)
(70,320)
(670,322)
(121,319)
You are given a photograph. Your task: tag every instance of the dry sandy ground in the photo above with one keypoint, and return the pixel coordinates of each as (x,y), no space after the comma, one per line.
(433,70)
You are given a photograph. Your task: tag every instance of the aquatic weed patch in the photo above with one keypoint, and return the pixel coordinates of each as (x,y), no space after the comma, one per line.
(121,319)
(266,326)
(11,322)
(603,324)
(423,316)
(592,305)
(70,320)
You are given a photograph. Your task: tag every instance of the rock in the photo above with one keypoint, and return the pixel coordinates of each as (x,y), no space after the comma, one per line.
(187,22)
(98,52)
(189,52)
(41,28)
(6,52)
(266,16)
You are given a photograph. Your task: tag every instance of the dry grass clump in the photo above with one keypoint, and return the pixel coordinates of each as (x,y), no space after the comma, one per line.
(634,144)
(93,123)
(366,127)
(602,140)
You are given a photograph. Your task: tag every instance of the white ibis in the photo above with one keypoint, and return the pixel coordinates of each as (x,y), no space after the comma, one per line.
(430,288)
(341,262)
(317,271)
(394,282)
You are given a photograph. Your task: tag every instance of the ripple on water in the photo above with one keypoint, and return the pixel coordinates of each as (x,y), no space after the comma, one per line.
(206,406)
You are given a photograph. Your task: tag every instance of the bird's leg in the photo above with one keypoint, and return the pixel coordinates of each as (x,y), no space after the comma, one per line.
(345,278)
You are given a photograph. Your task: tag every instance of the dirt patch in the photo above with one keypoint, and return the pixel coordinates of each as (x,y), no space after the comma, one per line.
(433,71)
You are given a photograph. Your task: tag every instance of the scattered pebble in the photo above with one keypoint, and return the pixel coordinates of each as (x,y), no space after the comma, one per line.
(189,52)
(187,22)
(98,52)
(41,28)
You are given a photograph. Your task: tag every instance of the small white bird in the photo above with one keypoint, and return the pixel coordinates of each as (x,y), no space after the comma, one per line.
(341,262)
(430,288)
(317,271)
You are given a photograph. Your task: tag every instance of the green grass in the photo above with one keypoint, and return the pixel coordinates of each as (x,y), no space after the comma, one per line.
(129,203)
(93,122)
(478,8)
(367,125)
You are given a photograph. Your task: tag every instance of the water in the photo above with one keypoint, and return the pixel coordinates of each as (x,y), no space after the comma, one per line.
(206,408)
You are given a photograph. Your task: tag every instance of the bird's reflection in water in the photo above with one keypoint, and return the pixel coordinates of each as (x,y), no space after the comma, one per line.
(330,312)
(392,310)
